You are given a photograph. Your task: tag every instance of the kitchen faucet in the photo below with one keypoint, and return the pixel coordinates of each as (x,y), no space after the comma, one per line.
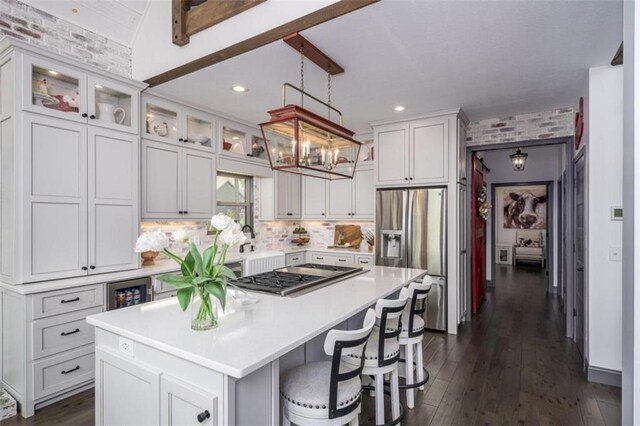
(253,236)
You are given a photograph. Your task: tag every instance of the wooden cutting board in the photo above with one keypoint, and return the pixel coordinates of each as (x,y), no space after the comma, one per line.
(352,236)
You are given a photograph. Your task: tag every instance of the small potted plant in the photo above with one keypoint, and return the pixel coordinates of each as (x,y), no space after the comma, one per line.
(203,280)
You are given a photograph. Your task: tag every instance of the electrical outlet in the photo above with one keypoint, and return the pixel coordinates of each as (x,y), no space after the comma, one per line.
(615,254)
(126,346)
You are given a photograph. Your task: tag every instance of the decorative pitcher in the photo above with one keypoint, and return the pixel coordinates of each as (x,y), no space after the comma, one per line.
(107,112)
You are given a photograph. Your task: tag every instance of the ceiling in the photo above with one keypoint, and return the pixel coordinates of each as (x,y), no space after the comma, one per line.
(491,58)
(117,20)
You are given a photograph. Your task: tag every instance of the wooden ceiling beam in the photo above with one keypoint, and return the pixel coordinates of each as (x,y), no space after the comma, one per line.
(212,12)
(332,11)
(179,10)
(312,53)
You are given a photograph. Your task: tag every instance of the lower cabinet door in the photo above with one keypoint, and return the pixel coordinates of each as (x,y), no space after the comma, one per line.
(185,404)
(126,391)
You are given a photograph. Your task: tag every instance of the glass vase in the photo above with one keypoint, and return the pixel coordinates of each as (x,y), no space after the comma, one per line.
(203,311)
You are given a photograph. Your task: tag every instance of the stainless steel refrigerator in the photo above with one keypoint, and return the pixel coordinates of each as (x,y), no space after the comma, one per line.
(411,228)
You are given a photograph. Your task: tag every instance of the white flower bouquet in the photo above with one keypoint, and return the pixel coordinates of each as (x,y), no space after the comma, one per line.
(203,274)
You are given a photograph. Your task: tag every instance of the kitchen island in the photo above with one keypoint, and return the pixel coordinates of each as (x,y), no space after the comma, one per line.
(151,368)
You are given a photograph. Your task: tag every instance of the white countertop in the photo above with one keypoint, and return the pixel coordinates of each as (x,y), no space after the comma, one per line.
(160,267)
(249,337)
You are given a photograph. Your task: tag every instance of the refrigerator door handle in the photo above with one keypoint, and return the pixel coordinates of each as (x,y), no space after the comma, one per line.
(409,229)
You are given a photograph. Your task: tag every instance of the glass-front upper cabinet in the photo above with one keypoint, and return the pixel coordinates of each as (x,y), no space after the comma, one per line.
(54,90)
(112,105)
(200,129)
(162,121)
(234,142)
(258,148)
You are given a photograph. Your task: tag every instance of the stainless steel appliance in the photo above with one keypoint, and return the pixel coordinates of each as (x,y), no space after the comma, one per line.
(121,294)
(411,229)
(293,279)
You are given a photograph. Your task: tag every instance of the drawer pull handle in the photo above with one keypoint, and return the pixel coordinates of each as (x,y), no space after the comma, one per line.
(70,300)
(76,368)
(320,258)
(68,333)
(203,416)
(342,260)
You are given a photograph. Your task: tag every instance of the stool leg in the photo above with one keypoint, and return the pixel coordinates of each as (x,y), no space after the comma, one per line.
(379,399)
(355,421)
(409,375)
(285,420)
(395,395)
(419,364)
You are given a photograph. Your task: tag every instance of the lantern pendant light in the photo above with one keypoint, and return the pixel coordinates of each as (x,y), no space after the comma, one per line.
(518,159)
(303,142)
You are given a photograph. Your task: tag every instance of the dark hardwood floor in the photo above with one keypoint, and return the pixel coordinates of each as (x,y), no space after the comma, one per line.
(511,365)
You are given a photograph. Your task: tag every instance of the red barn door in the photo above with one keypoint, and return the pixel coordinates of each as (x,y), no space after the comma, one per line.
(478,238)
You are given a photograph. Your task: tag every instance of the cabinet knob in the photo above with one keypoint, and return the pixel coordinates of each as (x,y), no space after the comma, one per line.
(85,115)
(406,178)
(203,416)
(410,178)
(182,140)
(185,212)
(289,214)
(92,267)
(84,268)
(249,155)
(322,214)
(92,116)
(180,212)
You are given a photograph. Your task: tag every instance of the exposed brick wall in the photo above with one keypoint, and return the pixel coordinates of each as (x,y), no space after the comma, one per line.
(524,127)
(34,26)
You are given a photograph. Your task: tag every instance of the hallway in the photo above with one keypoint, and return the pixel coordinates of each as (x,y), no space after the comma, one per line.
(512,365)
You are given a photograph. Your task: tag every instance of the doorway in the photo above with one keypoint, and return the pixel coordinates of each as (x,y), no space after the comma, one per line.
(579,247)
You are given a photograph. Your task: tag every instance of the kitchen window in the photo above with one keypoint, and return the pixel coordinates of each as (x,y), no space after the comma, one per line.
(235,197)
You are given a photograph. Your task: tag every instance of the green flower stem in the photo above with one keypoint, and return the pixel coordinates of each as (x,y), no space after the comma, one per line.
(180,261)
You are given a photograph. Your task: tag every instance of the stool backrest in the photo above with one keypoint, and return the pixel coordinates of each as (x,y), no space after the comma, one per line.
(388,315)
(416,305)
(345,342)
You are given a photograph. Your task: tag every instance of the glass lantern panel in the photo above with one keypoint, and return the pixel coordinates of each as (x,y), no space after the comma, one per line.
(54,90)
(326,151)
(161,122)
(258,148)
(281,143)
(233,141)
(199,131)
(112,106)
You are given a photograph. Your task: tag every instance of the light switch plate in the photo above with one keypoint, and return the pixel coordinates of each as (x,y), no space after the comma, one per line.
(615,254)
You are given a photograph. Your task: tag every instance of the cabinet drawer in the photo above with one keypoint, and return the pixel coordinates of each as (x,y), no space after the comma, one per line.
(161,287)
(364,260)
(294,259)
(62,372)
(61,333)
(68,300)
(165,295)
(332,258)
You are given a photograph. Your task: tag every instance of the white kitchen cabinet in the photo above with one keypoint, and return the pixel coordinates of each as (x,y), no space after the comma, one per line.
(112,200)
(288,188)
(414,152)
(314,196)
(177,182)
(297,258)
(183,403)
(364,259)
(56,203)
(352,198)
(63,91)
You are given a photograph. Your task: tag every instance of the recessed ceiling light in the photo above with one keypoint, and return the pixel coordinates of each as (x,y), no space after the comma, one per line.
(399,108)
(74,10)
(239,89)
(52,72)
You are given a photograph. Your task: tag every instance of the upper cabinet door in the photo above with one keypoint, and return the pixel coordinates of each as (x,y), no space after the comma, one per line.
(282,185)
(56,202)
(313,198)
(429,153)
(295,195)
(113,105)
(340,201)
(52,89)
(391,153)
(162,121)
(234,142)
(364,194)
(258,149)
(113,200)
(161,181)
(199,130)
(198,187)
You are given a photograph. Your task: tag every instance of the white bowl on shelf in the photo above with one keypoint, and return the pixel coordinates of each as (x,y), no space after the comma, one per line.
(199,138)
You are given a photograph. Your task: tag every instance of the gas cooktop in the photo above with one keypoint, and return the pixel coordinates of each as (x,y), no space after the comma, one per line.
(284,281)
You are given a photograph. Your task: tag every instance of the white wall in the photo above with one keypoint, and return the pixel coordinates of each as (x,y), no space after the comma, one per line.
(545,163)
(604,275)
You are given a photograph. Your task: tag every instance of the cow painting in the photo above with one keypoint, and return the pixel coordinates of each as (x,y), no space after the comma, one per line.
(525,209)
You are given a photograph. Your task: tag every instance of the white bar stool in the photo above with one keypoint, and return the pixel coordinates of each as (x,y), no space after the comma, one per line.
(411,338)
(327,392)
(382,354)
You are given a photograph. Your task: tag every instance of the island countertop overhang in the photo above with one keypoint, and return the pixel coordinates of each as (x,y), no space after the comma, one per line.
(249,337)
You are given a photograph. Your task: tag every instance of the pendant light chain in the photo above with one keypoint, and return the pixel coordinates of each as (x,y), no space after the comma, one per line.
(329,95)
(302,75)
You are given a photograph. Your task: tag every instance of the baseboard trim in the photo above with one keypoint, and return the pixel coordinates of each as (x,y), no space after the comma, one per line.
(604,376)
